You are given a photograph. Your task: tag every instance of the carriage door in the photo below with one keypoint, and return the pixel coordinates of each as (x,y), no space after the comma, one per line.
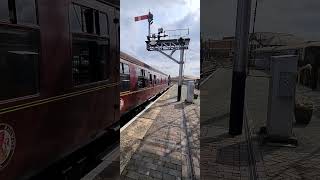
(116,25)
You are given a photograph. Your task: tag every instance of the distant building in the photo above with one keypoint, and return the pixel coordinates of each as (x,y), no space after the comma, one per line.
(225,47)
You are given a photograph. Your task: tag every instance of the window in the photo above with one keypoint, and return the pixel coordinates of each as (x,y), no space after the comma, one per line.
(142,81)
(26,11)
(4,11)
(150,78)
(88,20)
(104,28)
(19,62)
(18,11)
(124,77)
(96,22)
(90,60)
(75,18)
(155,79)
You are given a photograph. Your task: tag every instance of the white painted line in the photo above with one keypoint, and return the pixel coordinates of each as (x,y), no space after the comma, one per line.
(107,160)
(137,116)
(212,74)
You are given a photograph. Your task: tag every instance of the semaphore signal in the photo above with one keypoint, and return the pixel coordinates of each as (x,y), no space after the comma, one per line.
(163,42)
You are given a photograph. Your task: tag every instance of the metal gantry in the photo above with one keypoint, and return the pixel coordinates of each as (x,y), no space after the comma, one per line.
(163,42)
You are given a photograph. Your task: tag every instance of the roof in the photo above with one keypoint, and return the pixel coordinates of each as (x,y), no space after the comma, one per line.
(134,60)
(277,39)
(292,46)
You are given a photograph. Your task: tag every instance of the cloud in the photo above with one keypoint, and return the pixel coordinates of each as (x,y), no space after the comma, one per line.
(169,15)
(218,18)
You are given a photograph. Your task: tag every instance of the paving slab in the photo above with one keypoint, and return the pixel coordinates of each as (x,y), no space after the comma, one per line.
(156,144)
(222,156)
(302,162)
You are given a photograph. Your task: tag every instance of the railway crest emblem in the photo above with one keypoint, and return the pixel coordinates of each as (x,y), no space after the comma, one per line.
(7,144)
(121,103)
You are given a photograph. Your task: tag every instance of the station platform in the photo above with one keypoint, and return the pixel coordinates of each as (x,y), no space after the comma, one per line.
(244,157)
(163,142)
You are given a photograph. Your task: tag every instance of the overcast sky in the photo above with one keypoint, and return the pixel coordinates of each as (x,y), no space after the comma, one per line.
(169,14)
(299,17)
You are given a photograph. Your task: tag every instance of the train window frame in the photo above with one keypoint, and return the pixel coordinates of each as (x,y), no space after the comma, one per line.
(12,16)
(97,40)
(95,32)
(88,25)
(78,15)
(5,7)
(141,79)
(125,77)
(94,36)
(107,24)
(150,78)
(32,49)
(36,19)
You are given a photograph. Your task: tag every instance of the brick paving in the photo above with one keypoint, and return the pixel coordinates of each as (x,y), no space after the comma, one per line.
(222,156)
(302,162)
(155,145)
(225,157)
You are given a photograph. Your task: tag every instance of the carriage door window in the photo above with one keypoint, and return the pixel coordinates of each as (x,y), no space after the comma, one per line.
(155,79)
(124,77)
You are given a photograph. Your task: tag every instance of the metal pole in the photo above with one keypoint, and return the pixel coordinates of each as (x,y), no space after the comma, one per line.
(149,28)
(149,22)
(240,67)
(180,74)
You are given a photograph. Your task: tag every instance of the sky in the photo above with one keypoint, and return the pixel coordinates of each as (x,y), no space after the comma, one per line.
(170,15)
(288,16)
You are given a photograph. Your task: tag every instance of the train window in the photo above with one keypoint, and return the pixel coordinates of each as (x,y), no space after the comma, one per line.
(88,22)
(4,11)
(150,78)
(19,63)
(104,24)
(126,69)
(75,18)
(124,77)
(96,22)
(26,11)
(155,79)
(89,62)
(142,81)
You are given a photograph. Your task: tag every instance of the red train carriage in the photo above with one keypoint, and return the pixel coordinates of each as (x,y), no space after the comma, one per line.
(139,82)
(59,79)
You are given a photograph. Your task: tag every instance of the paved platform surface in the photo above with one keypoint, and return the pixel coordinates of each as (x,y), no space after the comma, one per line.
(226,157)
(302,162)
(222,156)
(163,143)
